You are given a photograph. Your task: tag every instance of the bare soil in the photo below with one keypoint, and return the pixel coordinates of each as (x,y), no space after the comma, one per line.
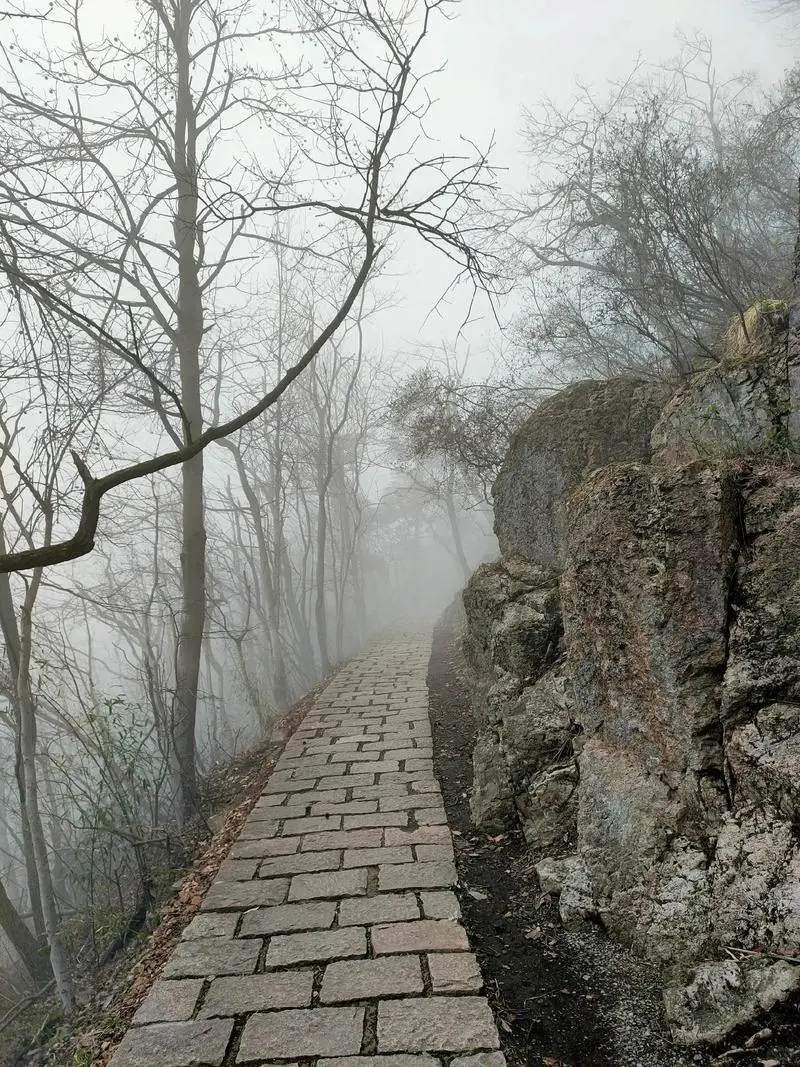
(561,999)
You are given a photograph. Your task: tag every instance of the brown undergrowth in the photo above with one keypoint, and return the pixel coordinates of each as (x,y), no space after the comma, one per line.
(110,995)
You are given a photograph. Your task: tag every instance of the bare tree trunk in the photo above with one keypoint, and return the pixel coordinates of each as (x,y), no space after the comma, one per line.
(323,481)
(27,714)
(299,623)
(189,340)
(8,624)
(57,842)
(359,597)
(270,582)
(320,612)
(458,544)
(25,944)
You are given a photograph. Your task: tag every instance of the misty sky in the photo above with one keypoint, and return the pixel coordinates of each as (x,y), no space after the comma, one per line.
(503,55)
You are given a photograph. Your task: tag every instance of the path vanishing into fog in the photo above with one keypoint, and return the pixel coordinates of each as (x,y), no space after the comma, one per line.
(331,933)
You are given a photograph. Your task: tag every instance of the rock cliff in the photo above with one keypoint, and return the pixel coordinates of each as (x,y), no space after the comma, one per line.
(634,659)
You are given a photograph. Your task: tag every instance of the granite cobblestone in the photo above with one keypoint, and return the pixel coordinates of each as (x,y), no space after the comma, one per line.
(331,932)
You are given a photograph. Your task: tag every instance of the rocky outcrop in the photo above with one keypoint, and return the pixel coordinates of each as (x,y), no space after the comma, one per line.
(588,425)
(748,403)
(524,758)
(636,675)
(514,618)
(724,995)
(677,632)
(513,646)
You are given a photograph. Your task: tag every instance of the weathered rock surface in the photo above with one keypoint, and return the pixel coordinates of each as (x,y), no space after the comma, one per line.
(724,995)
(513,638)
(677,626)
(586,426)
(567,878)
(763,757)
(523,759)
(763,664)
(636,676)
(645,598)
(514,618)
(745,405)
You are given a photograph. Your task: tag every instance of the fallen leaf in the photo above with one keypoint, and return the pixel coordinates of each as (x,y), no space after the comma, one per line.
(534,934)
(551,1062)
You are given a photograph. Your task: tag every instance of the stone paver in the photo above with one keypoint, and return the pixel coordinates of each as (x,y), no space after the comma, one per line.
(285,918)
(258,992)
(235,896)
(440,904)
(384,1061)
(436,1024)
(455,972)
(427,935)
(300,862)
(371,857)
(287,949)
(169,1002)
(363,979)
(211,955)
(310,1032)
(385,907)
(352,882)
(480,1059)
(202,1044)
(331,932)
(417,875)
(212,924)
(344,839)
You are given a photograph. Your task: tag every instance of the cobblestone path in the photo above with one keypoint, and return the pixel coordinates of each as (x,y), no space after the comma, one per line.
(331,933)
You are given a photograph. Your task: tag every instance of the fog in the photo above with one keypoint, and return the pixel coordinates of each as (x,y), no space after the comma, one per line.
(277,289)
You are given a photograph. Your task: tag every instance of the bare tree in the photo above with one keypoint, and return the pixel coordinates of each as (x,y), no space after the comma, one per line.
(89,249)
(440,411)
(27,947)
(655,216)
(34,445)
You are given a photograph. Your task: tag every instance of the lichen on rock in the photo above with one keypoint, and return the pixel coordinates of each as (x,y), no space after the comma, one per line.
(741,406)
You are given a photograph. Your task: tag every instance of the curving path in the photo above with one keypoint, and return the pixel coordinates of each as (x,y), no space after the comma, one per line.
(331,933)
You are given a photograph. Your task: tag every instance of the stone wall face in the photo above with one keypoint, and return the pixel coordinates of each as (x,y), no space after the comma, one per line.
(588,425)
(635,665)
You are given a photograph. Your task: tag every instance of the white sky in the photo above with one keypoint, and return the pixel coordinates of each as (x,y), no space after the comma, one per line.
(503,55)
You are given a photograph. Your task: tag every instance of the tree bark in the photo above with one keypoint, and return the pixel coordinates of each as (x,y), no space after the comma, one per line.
(323,481)
(27,714)
(26,945)
(270,580)
(458,544)
(10,629)
(189,340)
